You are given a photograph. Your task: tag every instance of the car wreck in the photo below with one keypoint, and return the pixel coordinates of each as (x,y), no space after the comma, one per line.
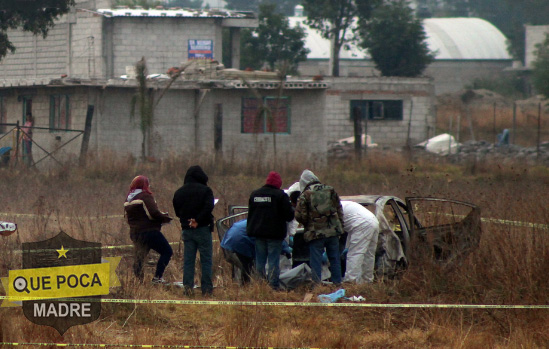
(441,231)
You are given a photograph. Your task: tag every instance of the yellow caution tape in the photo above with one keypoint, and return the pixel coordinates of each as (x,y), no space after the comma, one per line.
(486,220)
(301,304)
(30,215)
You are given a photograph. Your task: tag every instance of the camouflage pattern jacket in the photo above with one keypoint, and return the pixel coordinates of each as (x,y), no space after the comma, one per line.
(320,212)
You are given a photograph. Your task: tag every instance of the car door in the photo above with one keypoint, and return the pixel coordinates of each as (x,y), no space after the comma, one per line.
(448,230)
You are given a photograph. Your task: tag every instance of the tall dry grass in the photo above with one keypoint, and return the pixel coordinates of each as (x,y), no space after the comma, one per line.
(485,117)
(511,266)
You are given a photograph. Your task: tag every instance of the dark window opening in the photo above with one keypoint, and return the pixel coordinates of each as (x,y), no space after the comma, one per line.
(377,109)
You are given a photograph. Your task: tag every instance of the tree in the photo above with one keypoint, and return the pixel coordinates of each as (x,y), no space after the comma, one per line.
(273,42)
(36,16)
(540,73)
(395,39)
(185,3)
(335,20)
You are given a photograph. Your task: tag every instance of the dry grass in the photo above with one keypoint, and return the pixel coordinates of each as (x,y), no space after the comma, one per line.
(510,267)
(484,118)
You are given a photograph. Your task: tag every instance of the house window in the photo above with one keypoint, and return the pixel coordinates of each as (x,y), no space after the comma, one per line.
(3,115)
(377,109)
(256,121)
(60,116)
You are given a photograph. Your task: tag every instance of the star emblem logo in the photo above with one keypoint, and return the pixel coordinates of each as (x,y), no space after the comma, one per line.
(62,252)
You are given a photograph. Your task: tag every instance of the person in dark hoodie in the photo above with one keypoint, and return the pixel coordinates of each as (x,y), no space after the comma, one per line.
(269,211)
(193,204)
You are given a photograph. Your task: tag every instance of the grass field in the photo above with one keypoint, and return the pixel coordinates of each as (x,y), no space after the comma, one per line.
(511,265)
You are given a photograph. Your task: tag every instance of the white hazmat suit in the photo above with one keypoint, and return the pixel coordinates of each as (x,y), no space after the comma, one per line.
(363,229)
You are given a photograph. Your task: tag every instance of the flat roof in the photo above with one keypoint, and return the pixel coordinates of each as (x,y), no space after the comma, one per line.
(176,12)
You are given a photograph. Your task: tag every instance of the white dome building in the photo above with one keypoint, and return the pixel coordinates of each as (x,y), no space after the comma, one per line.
(466,48)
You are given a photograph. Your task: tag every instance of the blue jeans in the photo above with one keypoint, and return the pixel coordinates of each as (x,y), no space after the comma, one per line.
(316,249)
(199,239)
(268,249)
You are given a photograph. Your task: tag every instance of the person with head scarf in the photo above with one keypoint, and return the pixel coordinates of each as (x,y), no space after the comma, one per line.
(269,210)
(145,221)
(319,210)
(193,204)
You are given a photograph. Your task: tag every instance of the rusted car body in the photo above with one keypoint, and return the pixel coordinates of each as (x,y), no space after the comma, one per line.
(443,230)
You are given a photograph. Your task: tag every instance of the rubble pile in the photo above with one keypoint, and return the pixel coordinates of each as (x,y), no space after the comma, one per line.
(484,150)
(466,152)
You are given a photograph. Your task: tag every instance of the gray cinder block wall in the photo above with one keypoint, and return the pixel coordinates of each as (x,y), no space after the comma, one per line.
(416,94)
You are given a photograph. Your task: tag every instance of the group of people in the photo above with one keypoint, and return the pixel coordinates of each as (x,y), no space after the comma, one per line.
(193,204)
(259,241)
(326,221)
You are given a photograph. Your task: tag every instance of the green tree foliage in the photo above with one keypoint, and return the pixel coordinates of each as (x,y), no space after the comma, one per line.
(273,42)
(335,20)
(395,39)
(185,3)
(35,16)
(540,73)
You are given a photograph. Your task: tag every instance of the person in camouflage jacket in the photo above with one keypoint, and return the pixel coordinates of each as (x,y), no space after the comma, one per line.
(319,210)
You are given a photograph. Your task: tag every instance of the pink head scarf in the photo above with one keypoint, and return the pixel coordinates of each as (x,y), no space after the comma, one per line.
(140,182)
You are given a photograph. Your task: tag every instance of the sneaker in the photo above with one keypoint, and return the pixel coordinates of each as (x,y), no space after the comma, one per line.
(159,281)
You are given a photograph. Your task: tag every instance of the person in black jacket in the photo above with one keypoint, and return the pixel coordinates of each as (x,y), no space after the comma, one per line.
(193,204)
(269,210)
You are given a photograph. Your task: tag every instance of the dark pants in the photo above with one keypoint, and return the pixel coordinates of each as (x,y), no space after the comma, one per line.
(143,243)
(268,250)
(247,264)
(316,249)
(199,239)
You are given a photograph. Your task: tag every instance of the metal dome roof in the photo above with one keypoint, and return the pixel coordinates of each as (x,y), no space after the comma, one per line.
(450,38)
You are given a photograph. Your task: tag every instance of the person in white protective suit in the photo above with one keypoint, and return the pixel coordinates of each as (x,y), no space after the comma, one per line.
(291,227)
(362,227)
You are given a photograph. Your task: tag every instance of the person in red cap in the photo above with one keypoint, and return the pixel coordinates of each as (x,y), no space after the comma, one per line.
(269,209)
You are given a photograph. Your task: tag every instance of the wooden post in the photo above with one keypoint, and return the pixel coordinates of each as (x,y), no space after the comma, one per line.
(408,141)
(539,129)
(86,136)
(458,128)
(514,122)
(17,141)
(495,131)
(357,116)
(450,138)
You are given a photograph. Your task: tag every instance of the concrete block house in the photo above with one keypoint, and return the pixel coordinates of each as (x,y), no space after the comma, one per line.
(83,70)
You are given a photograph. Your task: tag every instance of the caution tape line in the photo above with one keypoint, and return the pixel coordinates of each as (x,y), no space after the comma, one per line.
(516,223)
(111,247)
(137,345)
(486,220)
(291,304)
(31,215)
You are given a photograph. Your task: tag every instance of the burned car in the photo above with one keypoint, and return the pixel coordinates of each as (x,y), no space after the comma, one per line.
(442,230)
